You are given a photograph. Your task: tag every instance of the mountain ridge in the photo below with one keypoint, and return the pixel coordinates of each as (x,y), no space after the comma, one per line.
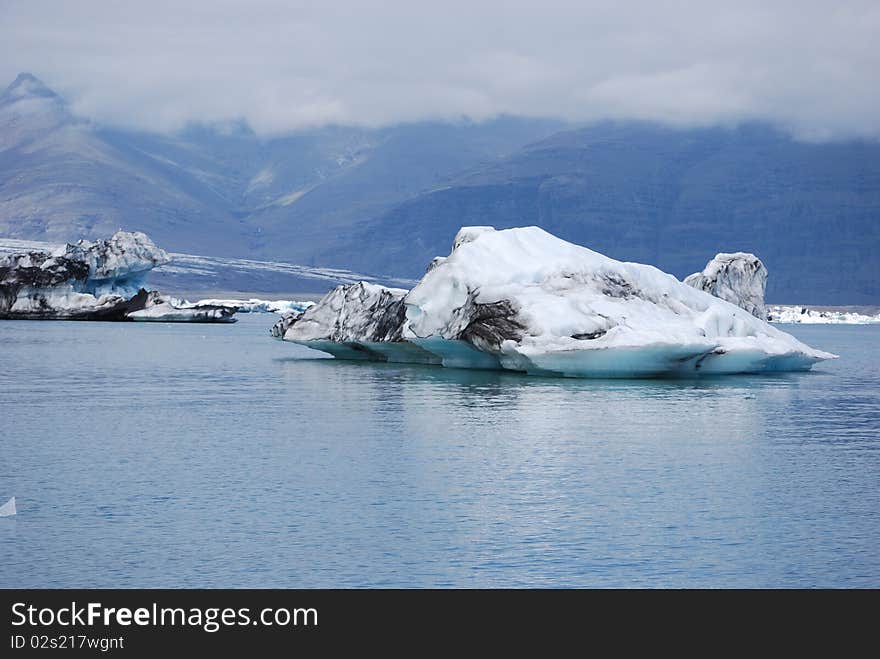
(665,196)
(388,200)
(224,191)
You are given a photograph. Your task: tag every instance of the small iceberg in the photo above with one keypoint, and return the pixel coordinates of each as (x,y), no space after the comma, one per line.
(8,508)
(807,316)
(159,308)
(253,305)
(101,280)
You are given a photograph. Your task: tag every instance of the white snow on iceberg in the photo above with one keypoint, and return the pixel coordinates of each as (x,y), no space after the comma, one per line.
(524,300)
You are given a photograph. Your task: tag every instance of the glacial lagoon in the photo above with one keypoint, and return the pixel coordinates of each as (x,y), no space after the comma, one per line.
(178,455)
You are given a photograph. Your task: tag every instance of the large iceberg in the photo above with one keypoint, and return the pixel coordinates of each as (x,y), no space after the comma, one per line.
(100,280)
(524,300)
(739,278)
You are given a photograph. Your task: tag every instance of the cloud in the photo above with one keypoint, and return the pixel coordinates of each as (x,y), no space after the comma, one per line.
(808,66)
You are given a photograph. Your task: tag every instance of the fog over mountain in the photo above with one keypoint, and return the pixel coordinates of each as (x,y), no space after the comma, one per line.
(808,65)
(222,192)
(385,201)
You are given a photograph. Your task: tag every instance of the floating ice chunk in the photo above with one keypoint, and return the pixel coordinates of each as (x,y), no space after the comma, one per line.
(166,312)
(8,508)
(806,316)
(524,300)
(99,280)
(253,305)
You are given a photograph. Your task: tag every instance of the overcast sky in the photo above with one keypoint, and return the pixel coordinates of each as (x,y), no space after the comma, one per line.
(813,67)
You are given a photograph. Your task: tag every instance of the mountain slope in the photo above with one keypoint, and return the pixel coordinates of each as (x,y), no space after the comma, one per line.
(386,201)
(222,191)
(669,197)
(399,163)
(60,179)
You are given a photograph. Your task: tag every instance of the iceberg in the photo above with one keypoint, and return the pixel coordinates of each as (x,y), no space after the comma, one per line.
(252,305)
(100,280)
(87,280)
(739,278)
(8,508)
(524,300)
(159,308)
(806,316)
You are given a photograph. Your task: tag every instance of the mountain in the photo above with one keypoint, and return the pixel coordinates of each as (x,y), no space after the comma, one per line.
(60,179)
(389,166)
(669,197)
(385,201)
(222,191)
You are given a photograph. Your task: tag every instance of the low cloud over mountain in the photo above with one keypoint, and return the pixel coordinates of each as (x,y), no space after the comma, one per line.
(384,201)
(807,66)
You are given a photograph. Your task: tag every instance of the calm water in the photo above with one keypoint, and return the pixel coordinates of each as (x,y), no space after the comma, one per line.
(195,455)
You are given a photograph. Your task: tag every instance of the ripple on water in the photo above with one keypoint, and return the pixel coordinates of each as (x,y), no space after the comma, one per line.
(173,455)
